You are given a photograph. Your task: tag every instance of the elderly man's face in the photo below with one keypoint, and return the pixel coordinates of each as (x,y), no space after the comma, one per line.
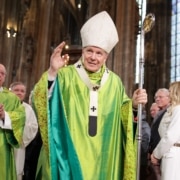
(93,58)
(154,109)
(162,99)
(2,74)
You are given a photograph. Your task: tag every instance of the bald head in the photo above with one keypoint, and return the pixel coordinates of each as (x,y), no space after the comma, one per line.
(2,74)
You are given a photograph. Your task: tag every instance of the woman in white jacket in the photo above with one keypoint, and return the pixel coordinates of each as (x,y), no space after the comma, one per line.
(168,149)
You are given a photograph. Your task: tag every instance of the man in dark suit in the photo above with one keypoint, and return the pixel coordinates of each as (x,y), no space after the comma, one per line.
(162,100)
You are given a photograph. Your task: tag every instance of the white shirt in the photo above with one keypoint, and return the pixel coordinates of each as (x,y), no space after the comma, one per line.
(29,133)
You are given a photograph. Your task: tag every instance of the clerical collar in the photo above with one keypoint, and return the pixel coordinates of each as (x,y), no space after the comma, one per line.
(93,93)
(101,76)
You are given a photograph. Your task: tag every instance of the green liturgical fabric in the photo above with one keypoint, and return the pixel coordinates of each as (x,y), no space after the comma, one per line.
(10,139)
(72,153)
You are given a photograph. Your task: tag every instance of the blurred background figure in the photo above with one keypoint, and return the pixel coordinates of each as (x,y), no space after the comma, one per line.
(154,109)
(168,148)
(12,118)
(30,128)
(163,101)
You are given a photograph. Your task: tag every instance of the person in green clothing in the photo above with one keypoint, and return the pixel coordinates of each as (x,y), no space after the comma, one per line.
(12,118)
(84,114)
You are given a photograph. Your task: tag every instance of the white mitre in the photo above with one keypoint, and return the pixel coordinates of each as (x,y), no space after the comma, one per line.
(100,31)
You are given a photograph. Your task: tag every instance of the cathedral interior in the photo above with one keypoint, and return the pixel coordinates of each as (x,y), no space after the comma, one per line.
(31,29)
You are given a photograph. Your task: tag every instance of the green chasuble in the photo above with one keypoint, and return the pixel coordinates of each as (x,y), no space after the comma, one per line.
(69,152)
(10,138)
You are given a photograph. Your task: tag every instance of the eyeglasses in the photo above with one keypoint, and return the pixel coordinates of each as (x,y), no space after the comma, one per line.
(160,97)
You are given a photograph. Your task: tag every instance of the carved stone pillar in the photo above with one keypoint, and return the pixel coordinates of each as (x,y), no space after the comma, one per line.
(127,18)
(43,30)
(158,48)
(8,13)
(25,48)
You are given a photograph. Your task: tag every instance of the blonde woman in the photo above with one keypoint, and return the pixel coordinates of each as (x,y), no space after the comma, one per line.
(168,149)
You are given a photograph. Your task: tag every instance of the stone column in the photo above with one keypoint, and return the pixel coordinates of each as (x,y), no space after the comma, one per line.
(158,48)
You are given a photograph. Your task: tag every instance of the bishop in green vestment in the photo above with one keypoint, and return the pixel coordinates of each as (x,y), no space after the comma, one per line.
(84,115)
(12,117)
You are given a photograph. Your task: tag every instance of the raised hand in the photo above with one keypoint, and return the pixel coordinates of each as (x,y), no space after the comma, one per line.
(57,61)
